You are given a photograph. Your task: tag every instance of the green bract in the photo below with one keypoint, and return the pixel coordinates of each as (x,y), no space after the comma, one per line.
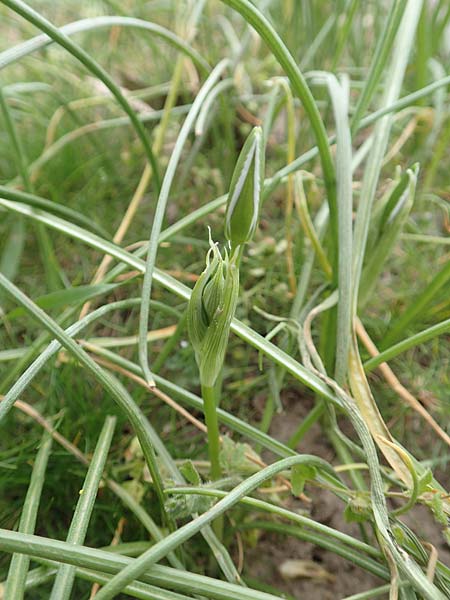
(245,191)
(210,311)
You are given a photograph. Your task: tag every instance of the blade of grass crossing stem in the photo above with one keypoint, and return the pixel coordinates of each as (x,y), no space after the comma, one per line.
(62,588)
(218,549)
(172,541)
(256,19)
(400,56)
(63,40)
(379,60)
(300,520)
(339,98)
(18,568)
(110,562)
(107,381)
(160,210)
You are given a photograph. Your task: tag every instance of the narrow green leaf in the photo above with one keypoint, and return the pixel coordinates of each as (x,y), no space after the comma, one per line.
(18,568)
(75,295)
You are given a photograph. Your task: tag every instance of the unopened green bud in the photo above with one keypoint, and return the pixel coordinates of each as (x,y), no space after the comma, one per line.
(210,311)
(244,197)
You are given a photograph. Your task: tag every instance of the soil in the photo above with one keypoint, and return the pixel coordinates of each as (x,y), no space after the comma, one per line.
(341,578)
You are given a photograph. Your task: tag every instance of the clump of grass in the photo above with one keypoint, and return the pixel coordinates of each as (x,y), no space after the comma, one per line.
(193,138)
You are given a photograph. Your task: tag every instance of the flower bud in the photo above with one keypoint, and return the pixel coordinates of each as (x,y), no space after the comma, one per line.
(244,196)
(210,311)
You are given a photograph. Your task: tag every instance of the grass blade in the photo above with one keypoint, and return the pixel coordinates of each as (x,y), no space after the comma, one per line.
(15,584)
(419,338)
(62,587)
(401,54)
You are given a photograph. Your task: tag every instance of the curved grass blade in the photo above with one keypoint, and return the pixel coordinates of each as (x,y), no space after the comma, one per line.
(64,40)
(401,52)
(53,207)
(74,295)
(379,60)
(15,53)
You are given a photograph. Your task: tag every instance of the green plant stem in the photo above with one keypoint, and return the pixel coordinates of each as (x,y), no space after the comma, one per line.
(212,424)
(41,41)
(301,521)
(209,403)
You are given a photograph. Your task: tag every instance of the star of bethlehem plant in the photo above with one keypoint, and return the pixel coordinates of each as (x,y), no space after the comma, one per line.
(213,301)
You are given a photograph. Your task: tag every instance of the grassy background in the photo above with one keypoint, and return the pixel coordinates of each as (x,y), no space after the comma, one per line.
(96,175)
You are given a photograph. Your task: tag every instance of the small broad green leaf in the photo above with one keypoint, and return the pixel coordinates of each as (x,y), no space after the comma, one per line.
(234,457)
(244,196)
(358,509)
(425,481)
(300,474)
(190,473)
(74,295)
